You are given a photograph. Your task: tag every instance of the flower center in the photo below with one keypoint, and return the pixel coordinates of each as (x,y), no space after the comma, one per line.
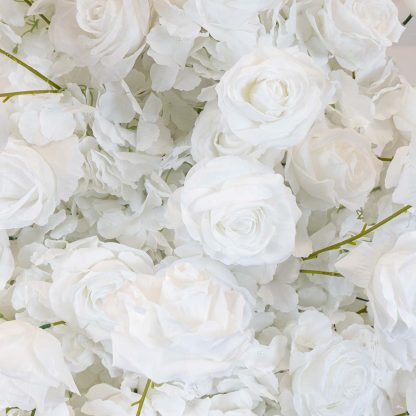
(269,96)
(96,12)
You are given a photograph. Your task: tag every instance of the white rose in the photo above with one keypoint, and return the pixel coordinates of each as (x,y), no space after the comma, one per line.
(333,167)
(240,211)
(32,367)
(33,180)
(189,322)
(28,193)
(104,35)
(336,379)
(89,282)
(273,96)
(392,291)
(357,32)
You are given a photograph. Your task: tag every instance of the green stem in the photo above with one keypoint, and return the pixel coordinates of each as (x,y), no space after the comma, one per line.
(32,70)
(42,16)
(8,95)
(405,22)
(47,326)
(363,233)
(385,159)
(33,412)
(149,384)
(403,414)
(321,272)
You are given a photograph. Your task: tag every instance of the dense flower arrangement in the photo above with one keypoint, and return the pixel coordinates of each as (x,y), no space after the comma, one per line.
(206,209)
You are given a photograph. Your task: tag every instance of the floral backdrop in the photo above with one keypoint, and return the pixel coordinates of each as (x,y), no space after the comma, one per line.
(206,208)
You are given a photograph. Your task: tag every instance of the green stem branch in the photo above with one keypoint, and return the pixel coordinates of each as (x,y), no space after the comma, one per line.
(149,384)
(363,233)
(321,272)
(32,70)
(42,16)
(8,95)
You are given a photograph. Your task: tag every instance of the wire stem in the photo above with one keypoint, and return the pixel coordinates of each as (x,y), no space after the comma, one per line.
(363,233)
(32,70)
(321,272)
(149,384)
(8,95)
